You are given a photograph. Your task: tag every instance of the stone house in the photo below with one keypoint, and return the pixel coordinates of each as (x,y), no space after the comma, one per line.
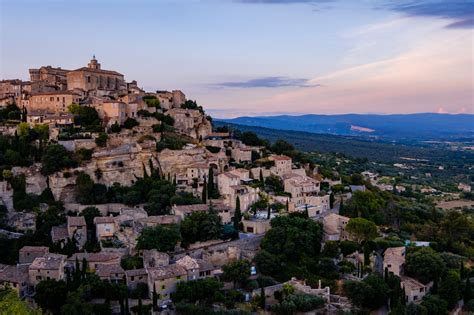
(6,195)
(190,122)
(394,259)
(112,273)
(172,99)
(59,234)
(256,225)
(414,290)
(136,276)
(28,254)
(37,117)
(300,187)
(14,277)
(155,220)
(241,155)
(165,279)
(105,227)
(77,229)
(334,227)
(153,258)
(94,260)
(53,102)
(49,266)
(196,268)
(283,164)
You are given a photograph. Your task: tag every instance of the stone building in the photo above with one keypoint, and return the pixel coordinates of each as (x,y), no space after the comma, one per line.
(170,100)
(394,259)
(164,279)
(334,226)
(10,88)
(53,102)
(28,254)
(105,227)
(49,266)
(49,76)
(14,277)
(77,229)
(93,77)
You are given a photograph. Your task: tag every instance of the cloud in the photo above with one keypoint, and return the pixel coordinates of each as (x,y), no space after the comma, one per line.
(460,11)
(266,82)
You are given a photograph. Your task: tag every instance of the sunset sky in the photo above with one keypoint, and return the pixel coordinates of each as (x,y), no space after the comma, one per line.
(260,57)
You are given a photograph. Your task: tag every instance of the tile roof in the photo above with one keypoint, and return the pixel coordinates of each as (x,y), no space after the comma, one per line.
(87,69)
(13,273)
(136,272)
(188,263)
(95,257)
(105,271)
(166,272)
(59,233)
(48,261)
(41,249)
(161,219)
(104,220)
(76,221)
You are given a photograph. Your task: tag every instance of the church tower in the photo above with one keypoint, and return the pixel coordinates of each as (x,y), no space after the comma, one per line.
(93,64)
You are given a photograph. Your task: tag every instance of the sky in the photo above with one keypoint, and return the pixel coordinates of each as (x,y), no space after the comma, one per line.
(260,57)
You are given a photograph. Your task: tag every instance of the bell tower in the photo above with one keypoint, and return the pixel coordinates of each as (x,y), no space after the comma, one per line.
(93,64)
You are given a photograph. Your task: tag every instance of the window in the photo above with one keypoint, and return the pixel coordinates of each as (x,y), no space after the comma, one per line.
(132,278)
(163,287)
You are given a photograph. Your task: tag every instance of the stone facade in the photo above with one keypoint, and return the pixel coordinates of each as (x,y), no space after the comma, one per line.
(93,77)
(53,102)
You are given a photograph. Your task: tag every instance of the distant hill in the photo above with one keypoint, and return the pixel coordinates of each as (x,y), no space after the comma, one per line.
(423,126)
(373,149)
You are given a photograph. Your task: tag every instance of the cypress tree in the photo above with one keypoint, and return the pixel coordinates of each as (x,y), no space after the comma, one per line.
(287,205)
(268,212)
(127,307)
(262,298)
(261,176)
(331,200)
(155,297)
(238,214)
(467,290)
(210,184)
(84,268)
(204,192)
(341,207)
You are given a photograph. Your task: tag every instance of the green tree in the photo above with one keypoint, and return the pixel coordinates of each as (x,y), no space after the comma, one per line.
(129,123)
(450,288)
(11,304)
(162,238)
(203,291)
(371,293)
(51,295)
(101,139)
(237,272)
(200,227)
(424,264)
(435,305)
(56,158)
(361,230)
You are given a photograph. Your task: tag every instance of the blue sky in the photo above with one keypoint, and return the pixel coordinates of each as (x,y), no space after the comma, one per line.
(248,57)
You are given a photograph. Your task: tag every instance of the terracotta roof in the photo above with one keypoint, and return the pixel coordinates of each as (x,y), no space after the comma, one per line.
(161,219)
(191,208)
(87,69)
(104,220)
(166,272)
(13,273)
(412,284)
(105,271)
(230,175)
(31,249)
(56,93)
(136,272)
(48,262)
(76,221)
(280,157)
(95,257)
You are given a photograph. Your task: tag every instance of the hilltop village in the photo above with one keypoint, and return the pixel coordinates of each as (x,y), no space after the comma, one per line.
(116,200)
